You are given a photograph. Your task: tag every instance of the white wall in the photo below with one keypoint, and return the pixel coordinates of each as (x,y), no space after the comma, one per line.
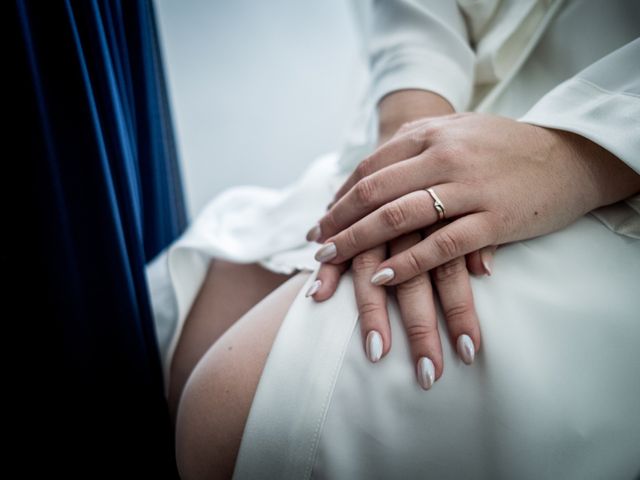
(258,88)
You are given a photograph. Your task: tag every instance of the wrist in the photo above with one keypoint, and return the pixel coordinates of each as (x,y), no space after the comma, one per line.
(605,179)
(403,106)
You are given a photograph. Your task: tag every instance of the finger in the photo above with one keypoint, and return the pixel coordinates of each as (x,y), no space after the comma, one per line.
(454,290)
(486,257)
(480,262)
(326,281)
(409,141)
(415,299)
(462,236)
(380,188)
(400,147)
(405,214)
(372,304)
(474,263)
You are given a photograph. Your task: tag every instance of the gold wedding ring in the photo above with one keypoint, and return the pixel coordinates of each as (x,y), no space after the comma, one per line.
(437,203)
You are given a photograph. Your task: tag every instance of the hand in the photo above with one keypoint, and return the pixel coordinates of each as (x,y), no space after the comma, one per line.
(416,301)
(415,297)
(499,179)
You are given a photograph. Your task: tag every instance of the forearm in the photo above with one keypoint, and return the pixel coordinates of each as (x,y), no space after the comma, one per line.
(404,106)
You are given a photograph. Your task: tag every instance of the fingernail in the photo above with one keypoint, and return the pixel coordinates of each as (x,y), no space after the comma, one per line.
(314,233)
(374,346)
(315,286)
(465,348)
(327,252)
(486,257)
(426,373)
(383,276)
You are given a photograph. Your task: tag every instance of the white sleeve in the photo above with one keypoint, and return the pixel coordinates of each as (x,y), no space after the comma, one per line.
(601,103)
(420,44)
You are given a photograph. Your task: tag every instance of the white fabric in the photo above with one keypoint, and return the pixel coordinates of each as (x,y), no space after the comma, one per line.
(604,108)
(244,225)
(554,389)
(553,394)
(421,45)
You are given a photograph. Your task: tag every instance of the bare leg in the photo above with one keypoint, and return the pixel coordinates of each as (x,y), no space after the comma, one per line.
(217,398)
(228,292)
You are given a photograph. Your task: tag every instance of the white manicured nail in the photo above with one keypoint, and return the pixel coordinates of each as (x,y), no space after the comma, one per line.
(314,233)
(383,276)
(327,252)
(374,346)
(465,348)
(426,373)
(315,286)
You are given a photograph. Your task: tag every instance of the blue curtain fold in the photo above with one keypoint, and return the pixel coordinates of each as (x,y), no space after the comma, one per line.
(103,197)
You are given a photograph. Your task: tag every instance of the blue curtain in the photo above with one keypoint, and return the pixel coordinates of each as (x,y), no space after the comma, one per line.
(102,194)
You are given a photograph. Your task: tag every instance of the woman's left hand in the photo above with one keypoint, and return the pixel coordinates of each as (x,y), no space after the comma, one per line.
(499,179)
(416,302)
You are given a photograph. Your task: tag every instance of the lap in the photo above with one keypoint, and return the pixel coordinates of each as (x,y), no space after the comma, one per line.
(218,395)
(552,394)
(228,292)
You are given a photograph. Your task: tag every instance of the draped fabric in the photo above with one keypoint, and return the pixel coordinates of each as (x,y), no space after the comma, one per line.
(103,196)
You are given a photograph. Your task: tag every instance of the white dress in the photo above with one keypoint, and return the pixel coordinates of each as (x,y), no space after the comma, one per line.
(555,391)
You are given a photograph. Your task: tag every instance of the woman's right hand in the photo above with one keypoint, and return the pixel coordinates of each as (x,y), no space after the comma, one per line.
(501,181)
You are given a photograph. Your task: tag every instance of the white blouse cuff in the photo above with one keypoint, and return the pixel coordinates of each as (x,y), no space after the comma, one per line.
(423,70)
(610,119)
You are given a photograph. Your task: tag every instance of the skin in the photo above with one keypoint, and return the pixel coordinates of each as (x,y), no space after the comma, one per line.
(227,293)
(499,190)
(415,296)
(217,397)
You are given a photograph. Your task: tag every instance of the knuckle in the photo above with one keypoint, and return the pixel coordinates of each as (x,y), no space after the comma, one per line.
(417,137)
(407,126)
(411,287)
(368,308)
(364,168)
(350,240)
(430,130)
(393,217)
(364,192)
(420,332)
(446,244)
(328,223)
(450,155)
(450,270)
(414,263)
(365,262)
(460,313)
